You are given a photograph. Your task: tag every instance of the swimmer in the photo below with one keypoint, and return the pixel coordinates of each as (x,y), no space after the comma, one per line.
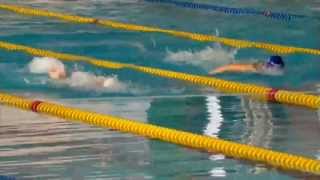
(85,79)
(56,70)
(274,66)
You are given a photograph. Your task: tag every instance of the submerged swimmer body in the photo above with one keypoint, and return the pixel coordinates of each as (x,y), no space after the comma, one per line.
(274,66)
(86,79)
(56,70)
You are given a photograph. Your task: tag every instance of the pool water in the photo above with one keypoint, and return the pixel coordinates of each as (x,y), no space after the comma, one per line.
(40,147)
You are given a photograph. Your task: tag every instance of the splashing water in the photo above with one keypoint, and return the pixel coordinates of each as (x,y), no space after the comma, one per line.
(90,81)
(77,79)
(207,58)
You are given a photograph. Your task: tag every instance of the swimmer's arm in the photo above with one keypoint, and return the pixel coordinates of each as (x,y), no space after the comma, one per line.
(234,68)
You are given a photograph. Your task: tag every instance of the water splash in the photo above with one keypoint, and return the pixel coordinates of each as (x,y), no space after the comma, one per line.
(207,58)
(90,81)
(77,79)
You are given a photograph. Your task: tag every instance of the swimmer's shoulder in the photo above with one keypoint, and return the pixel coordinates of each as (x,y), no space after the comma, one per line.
(257,66)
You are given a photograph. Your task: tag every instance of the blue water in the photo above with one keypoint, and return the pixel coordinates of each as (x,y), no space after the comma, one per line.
(169,103)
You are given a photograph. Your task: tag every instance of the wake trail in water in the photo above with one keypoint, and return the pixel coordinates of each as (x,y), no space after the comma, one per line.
(207,58)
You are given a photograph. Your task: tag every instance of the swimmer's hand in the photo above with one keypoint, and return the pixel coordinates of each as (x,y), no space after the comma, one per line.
(234,68)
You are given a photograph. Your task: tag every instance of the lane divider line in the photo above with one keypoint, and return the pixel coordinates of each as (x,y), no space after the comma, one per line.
(274,48)
(210,144)
(231,10)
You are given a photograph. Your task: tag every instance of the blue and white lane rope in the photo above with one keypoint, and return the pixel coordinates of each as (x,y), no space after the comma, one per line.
(231,10)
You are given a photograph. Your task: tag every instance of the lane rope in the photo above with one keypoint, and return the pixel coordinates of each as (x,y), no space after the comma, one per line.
(259,92)
(230,10)
(274,48)
(231,149)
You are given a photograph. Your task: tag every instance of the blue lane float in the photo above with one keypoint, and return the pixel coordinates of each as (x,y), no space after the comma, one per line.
(231,10)
(7,177)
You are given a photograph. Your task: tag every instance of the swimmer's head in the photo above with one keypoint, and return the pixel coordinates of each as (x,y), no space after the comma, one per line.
(274,66)
(274,62)
(46,65)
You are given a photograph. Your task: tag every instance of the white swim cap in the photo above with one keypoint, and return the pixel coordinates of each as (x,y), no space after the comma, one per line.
(43,65)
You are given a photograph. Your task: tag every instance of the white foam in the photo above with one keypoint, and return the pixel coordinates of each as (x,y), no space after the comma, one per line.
(90,81)
(78,79)
(207,58)
(42,65)
(218,172)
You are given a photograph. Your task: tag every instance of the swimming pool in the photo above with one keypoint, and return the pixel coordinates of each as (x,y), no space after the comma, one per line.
(90,152)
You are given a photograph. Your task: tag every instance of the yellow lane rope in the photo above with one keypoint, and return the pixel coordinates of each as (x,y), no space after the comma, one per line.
(210,144)
(275,48)
(260,92)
